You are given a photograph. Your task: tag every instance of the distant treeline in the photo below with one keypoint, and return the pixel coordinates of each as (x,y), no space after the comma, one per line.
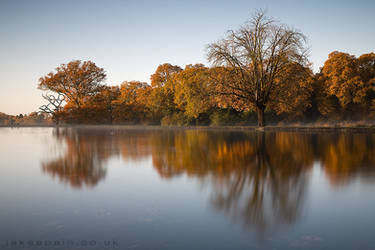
(34,118)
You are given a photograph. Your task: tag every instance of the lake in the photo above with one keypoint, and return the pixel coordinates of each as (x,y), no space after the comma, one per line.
(103,188)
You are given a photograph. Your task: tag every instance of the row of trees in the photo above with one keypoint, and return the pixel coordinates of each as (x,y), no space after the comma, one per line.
(258,70)
(34,118)
(343,89)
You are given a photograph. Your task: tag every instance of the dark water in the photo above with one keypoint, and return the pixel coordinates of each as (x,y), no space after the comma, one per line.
(186,189)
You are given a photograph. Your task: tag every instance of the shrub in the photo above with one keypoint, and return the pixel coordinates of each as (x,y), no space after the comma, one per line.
(176,119)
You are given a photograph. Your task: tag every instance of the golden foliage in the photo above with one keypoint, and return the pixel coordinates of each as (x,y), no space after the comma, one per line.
(344,89)
(350,79)
(193,90)
(76,81)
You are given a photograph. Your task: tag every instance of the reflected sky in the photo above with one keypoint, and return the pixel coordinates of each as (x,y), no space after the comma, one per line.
(176,188)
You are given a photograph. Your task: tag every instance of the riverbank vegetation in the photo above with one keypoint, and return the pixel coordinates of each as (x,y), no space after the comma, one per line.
(259,73)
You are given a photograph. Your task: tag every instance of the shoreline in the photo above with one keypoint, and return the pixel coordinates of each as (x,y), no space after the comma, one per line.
(242,128)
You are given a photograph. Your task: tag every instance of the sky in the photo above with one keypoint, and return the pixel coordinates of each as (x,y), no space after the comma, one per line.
(129,39)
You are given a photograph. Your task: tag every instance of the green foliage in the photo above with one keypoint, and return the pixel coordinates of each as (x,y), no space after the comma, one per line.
(222,117)
(176,119)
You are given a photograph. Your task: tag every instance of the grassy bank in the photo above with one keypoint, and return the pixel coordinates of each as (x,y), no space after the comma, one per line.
(289,127)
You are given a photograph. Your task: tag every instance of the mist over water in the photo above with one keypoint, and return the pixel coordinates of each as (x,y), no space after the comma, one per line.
(187,189)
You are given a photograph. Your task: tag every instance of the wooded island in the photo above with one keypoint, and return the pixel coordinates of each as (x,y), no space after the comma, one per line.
(260,73)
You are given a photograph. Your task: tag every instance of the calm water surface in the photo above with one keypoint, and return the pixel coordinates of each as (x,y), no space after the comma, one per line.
(186,189)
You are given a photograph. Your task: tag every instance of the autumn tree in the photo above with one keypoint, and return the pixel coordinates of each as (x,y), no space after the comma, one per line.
(193,90)
(163,88)
(351,80)
(132,104)
(258,51)
(76,81)
(134,92)
(292,91)
(323,104)
(342,80)
(100,107)
(366,68)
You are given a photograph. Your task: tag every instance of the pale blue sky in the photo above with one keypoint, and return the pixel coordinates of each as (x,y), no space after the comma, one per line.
(129,39)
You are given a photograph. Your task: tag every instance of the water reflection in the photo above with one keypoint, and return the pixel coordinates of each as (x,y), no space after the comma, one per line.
(347,156)
(86,152)
(82,163)
(259,180)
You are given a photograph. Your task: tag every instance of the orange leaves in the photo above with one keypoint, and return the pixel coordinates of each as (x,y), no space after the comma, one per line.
(131,106)
(163,74)
(292,91)
(227,89)
(344,88)
(75,80)
(163,89)
(192,91)
(134,92)
(350,79)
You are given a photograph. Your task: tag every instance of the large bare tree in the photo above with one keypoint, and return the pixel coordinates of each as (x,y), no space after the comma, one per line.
(258,51)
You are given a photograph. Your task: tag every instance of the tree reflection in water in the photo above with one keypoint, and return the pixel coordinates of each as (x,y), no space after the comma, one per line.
(83,163)
(258,179)
(346,157)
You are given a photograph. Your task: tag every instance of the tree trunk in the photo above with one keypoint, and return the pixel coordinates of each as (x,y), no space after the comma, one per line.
(260,111)
(56,119)
(110,114)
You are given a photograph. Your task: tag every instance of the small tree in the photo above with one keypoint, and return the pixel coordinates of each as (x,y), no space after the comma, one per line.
(258,51)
